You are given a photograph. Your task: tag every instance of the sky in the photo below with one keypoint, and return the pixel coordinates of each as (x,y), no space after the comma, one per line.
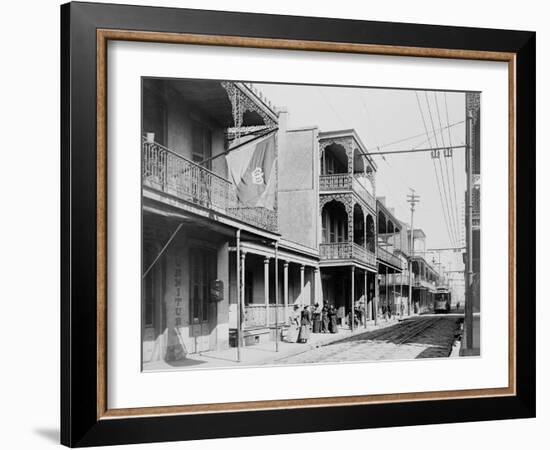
(384,116)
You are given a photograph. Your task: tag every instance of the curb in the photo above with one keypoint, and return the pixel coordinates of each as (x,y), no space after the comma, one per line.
(323,343)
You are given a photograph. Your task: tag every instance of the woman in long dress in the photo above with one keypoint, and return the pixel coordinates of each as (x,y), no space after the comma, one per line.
(305,325)
(294,325)
(317,318)
(325,318)
(332,316)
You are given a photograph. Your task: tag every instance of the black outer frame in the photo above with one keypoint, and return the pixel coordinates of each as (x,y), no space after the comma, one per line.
(79,424)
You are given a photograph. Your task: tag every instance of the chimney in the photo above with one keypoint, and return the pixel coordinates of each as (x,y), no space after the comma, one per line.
(282,113)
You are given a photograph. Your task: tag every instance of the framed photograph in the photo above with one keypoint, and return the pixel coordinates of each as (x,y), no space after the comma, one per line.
(277,224)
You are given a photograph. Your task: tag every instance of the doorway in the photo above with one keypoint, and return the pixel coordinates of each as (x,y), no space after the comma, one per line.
(203,309)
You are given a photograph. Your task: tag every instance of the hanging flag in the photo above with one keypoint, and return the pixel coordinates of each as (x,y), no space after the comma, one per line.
(252,171)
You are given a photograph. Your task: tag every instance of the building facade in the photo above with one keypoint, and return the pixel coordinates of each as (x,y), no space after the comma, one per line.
(473,112)
(347,209)
(191,213)
(425,277)
(243,218)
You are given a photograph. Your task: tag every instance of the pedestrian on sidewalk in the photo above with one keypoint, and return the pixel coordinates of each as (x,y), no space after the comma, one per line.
(305,325)
(362,313)
(294,325)
(317,318)
(332,316)
(325,318)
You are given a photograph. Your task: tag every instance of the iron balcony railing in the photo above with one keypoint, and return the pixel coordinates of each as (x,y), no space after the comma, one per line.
(396,278)
(346,250)
(257,315)
(388,258)
(423,283)
(174,174)
(347,182)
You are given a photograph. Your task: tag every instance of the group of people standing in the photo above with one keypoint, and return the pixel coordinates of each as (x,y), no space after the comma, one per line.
(314,319)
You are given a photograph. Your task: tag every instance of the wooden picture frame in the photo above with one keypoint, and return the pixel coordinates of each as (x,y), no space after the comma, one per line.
(85,416)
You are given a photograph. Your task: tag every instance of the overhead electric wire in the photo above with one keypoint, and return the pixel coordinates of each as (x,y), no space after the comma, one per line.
(434,166)
(444,201)
(454,215)
(433,162)
(327,100)
(448,127)
(445,187)
(368,118)
(459,222)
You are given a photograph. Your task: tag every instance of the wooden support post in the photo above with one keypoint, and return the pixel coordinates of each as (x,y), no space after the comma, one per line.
(266,290)
(302,281)
(285,289)
(365,298)
(352,312)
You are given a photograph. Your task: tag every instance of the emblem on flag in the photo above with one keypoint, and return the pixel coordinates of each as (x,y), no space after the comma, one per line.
(252,171)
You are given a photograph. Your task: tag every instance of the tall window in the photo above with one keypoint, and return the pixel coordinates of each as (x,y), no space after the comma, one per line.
(201,146)
(203,273)
(330,164)
(248,288)
(334,227)
(149,300)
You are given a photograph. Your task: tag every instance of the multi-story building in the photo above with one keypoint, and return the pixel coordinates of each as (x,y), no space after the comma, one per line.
(347,208)
(243,217)
(473,111)
(398,281)
(392,260)
(193,215)
(425,277)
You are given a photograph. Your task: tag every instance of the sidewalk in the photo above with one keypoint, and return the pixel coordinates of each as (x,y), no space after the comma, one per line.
(261,354)
(475,351)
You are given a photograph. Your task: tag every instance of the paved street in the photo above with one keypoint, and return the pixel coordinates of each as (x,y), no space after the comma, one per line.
(428,336)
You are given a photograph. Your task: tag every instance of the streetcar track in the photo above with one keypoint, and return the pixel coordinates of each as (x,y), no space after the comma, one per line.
(396,338)
(407,330)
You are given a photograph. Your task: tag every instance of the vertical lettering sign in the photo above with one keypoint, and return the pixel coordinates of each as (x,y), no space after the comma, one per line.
(178,300)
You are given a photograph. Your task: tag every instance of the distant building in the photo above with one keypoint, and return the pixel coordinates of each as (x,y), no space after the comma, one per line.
(473,109)
(425,277)
(392,261)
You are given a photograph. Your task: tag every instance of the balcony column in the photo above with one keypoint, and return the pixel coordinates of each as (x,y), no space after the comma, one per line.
(369,298)
(316,287)
(266,289)
(387,298)
(401,293)
(352,311)
(241,288)
(302,282)
(365,297)
(365,230)
(349,210)
(285,288)
(393,291)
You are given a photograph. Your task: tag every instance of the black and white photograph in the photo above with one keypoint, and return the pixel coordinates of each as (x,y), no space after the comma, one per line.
(286,224)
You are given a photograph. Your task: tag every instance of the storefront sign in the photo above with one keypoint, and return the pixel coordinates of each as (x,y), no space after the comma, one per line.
(178,300)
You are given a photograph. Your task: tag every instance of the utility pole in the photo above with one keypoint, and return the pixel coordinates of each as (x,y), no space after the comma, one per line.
(469,307)
(413,199)
(239,335)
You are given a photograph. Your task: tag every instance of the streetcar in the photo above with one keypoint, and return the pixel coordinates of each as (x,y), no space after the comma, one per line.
(442,300)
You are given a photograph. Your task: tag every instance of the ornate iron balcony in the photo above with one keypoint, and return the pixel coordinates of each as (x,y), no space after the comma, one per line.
(166,171)
(346,250)
(346,182)
(388,257)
